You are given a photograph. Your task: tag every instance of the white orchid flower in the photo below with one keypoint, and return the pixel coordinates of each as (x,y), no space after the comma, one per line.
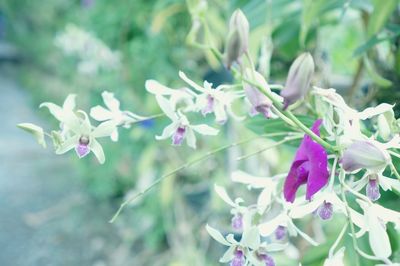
(84,136)
(180,128)
(375,218)
(284,220)
(175,95)
(268,186)
(62,113)
(217,101)
(242,216)
(237,251)
(113,113)
(325,203)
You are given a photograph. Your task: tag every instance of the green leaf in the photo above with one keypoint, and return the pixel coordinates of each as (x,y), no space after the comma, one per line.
(380,14)
(373,74)
(374,40)
(35,131)
(311,11)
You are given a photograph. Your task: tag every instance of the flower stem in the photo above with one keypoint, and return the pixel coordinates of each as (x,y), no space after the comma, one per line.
(186,165)
(353,232)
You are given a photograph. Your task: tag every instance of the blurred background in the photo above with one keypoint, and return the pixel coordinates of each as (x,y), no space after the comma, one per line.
(55,209)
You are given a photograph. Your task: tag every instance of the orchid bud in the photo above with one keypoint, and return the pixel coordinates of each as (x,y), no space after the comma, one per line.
(260,103)
(298,80)
(372,189)
(364,154)
(238,38)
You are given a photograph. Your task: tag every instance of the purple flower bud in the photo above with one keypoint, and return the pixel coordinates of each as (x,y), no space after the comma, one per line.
(82,149)
(179,136)
(364,154)
(280,232)
(237,222)
(325,211)
(258,100)
(269,261)
(238,259)
(209,108)
(372,189)
(298,80)
(238,38)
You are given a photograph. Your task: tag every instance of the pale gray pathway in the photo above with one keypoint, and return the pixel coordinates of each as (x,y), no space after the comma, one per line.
(45,216)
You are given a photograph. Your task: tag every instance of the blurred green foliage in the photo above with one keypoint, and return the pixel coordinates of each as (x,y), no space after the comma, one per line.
(351,40)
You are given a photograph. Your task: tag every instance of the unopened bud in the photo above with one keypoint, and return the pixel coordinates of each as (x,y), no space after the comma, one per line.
(298,80)
(260,103)
(238,38)
(364,154)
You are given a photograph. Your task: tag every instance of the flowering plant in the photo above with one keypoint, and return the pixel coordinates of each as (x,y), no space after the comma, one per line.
(341,152)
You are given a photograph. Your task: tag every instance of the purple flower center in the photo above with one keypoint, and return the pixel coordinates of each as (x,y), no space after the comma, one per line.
(82,149)
(372,190)
(269,261)
(209,108)
(238,259)
(237,222)
(179,136)
(325,211)
(280,232)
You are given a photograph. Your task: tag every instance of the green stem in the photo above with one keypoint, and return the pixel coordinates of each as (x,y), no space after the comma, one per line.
(186,165)
(292,117)
(353,231)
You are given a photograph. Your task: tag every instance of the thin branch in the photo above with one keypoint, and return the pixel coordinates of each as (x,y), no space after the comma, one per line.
(186,165)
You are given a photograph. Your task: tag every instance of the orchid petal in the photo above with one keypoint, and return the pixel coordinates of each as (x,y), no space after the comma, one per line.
(190,138)
(68,145)
(205,129)
(110,101)
(100,113)
(214,233)
(168,131)
(166,107)
(105,129)
(69,103)
(97,150)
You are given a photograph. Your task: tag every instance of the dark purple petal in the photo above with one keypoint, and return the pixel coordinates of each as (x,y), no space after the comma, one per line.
(297,176)
(179,136)
(318,176)
(310,166)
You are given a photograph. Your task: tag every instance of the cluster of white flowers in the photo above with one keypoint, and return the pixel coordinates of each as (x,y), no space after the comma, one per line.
(93,54)
(77,132)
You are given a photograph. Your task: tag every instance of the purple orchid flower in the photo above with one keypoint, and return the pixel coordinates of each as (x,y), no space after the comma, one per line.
(310,166)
